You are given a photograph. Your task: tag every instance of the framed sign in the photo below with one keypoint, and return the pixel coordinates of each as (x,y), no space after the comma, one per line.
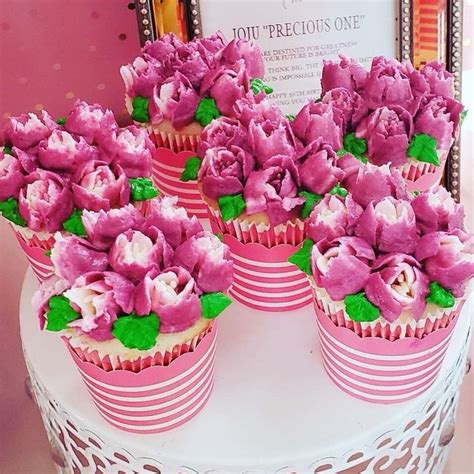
(297,35)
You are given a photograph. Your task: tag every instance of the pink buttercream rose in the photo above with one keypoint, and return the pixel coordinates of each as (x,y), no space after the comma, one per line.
(11,176)
(246,51)
(347,73)
(440,81)
(223,132)
(259,109)
(348,104)
(27,130)
(142,76)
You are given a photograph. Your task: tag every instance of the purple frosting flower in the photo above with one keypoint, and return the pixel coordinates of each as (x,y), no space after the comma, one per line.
(397,285)
(131,149)
(259,109)
(373,183)
(333,217)
(100,297)
(435,210)
(172,295)
(388,132)
(11,176)
(176,101)
(73,257)
(389,225)
(28,161)
(61,152)
(222,132)
(348,73)
(195,67)
(163,46)
(274,190)
(134,254)
(172,220)
(319,119)
(45,202)
(142,76)
(208,260)
(97,186)
(319,172)
(440,81)
(448,259)
(103,227)
(249,52)
(439,117)
(224,170)
(332,262)
(351,167)
(211,44)
(347,103)
(27,130)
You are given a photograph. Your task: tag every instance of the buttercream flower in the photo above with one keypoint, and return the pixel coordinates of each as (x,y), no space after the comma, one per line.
(389,225)
(103,227)
(351,166)
(341,266)
(318,119)
(224,170)
(397,284)
(52,286)
(259,109)
(249,52)
(195,67)
(348,73)
(142,76)
(439,118)
(435,210)
(176,101)
(61,152)
(45,202)
(448,259)
(163,46)
(131,149)
(226,85)
(318,170)
(208,260)
(172,220)
(333,217)
(100,297)
(73,257)
(274,190)
(134,254)
(347,103)
(222,132)
(440,81)
(388,132)
(97,186)
(28,161)
(210,45)
(27,130)
(373,183)
(172,296)
(89,120)
(11,176)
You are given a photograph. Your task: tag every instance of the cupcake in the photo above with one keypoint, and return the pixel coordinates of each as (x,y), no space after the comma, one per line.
(51,172)
(392,114)
(175,89)
(135,303)
(390,272)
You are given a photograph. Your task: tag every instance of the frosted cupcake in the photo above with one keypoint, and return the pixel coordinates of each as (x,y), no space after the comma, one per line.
(139,295)
(51,172)
(392,114)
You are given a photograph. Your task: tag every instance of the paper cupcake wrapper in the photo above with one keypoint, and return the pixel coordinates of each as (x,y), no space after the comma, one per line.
(158,398)
(264,234)
(422,176)
(264,279)
(34,245)
(175,142)
(167,169)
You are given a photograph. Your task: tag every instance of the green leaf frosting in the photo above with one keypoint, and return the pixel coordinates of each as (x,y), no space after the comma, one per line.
(302,258)
(47,253)
(311,200)
(339,190)
(354,145)
(257,86)
(137,332)
(220,236)
(360,309)
(212,304)
(290,117)
(142,189)
(191,169)
(60,313)
(231,206)
(341,152)
(61,121)
(207,111)
(140,109)
(423,148)
(7,150)
(74,225)
(463,115)
(9,210)
(440,296)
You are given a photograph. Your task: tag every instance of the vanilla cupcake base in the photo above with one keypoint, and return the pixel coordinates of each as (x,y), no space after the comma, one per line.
(166,136)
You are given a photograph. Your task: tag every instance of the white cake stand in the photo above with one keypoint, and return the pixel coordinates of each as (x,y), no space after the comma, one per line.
(273,408)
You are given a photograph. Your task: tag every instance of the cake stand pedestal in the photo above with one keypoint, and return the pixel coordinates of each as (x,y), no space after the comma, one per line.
(273,408)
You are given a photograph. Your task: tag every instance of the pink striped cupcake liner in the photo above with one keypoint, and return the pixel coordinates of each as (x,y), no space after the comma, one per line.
(167,169)
(379,370)
(157,398)
(174,141)
(264,279)
(422,176)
